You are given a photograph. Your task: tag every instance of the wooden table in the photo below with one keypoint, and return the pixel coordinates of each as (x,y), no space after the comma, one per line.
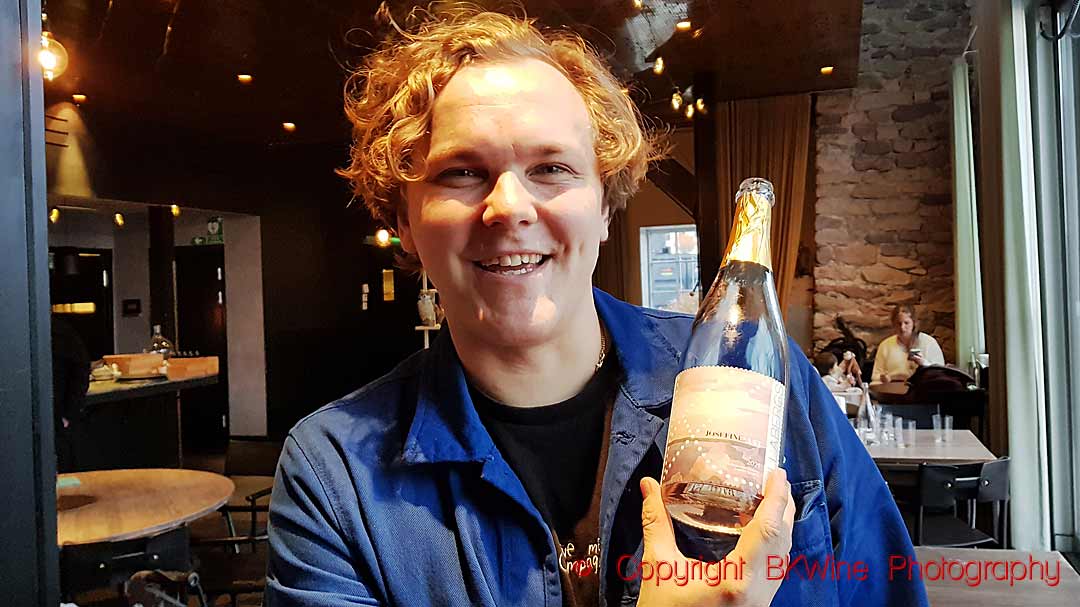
(963,447)
(891,393)
(946,592)
(115,505)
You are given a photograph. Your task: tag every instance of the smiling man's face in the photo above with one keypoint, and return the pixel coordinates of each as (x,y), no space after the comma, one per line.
(509,217)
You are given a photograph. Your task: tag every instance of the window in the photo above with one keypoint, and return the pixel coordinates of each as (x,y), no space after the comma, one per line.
(669,268)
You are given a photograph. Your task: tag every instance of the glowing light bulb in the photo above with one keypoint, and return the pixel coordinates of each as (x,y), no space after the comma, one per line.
(676,101)
(54,215)
(689,110)
(382,237)
(244,78)
(684,25)
(658,66)
(827,70)
(288,126)
(700,104)
(118,219)
(175,210)
(637,4)
(53,57)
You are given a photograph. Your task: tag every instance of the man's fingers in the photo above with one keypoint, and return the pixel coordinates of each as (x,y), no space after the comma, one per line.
(656,525)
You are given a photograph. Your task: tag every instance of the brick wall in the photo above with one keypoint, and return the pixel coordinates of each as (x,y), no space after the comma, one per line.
(884,178)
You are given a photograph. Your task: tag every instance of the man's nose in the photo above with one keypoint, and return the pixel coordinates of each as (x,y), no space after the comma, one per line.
(509,203)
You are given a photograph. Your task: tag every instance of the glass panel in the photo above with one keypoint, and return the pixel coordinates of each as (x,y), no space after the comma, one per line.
(687,242)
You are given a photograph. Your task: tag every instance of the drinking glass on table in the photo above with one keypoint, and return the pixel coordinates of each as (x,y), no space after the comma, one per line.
(898,424)
(887,427)
(909,432)
(948,421)
(939,429)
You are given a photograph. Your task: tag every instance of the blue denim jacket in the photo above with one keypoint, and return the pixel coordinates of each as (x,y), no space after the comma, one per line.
(396,494)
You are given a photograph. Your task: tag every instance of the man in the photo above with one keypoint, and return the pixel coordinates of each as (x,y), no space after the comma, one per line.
(502,466)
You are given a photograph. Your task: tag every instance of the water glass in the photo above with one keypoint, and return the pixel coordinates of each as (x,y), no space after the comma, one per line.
(898,424)
(909,432)
(886,427)
(939,434)
(948,428)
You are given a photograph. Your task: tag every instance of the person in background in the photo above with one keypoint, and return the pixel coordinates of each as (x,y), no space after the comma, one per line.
(71,378)
(514,462)
(899,355)
(831,373)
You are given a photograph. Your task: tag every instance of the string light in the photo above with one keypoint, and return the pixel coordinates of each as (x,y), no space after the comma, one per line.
(175,210)
(684,25)
(689,110)
(658,66)
(288,126)
(244,78)
(827,70)
(118,219)
(676,100)
(382,237)
(54,215)
(700,104)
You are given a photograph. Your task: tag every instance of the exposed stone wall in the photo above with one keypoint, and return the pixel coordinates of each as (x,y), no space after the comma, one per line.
(884,177)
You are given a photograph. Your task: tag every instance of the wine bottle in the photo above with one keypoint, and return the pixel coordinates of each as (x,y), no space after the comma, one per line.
(727,416)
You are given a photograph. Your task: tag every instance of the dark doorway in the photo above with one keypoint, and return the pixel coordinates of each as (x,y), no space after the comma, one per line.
(80,287)
(200,315)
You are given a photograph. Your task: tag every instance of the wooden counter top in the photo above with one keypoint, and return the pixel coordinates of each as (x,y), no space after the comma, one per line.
(111,391)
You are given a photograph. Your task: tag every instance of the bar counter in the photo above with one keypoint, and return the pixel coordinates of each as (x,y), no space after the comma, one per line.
(112,390)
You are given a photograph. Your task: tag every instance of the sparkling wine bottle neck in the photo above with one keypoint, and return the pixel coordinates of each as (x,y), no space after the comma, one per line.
(750,234)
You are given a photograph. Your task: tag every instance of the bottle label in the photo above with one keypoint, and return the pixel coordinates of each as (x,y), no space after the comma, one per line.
(725,428)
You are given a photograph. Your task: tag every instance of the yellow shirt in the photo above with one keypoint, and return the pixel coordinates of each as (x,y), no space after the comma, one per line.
(892,357)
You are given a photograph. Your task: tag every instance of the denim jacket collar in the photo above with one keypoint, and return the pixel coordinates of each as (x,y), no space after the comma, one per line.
(446,427)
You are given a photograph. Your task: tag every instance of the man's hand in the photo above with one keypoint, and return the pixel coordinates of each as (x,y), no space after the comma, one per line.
(767,534)
(885,378)
(918,359)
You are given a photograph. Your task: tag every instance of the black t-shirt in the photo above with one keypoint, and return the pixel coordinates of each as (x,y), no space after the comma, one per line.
(559,453)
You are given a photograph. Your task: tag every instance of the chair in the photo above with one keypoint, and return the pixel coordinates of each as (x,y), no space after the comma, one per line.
(250,463)
(942,487)
(922,414)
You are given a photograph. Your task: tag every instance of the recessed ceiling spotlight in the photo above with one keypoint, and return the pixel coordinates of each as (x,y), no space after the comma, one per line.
(288,126)
(827,70)
(684,25)
(244,78)
(78,98)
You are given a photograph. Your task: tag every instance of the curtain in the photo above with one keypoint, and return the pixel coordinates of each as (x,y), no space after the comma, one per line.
(1013,305)
(767,138)
(970,333)
(609,274)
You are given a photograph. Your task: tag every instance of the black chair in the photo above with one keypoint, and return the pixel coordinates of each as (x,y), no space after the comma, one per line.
(942,488)
(250,463)
(224,569)
(922,414)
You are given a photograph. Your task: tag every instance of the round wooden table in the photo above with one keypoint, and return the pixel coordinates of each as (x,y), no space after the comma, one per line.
(890,393)
(114,505)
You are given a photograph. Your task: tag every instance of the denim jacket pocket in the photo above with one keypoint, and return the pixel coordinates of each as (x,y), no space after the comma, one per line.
(811,527)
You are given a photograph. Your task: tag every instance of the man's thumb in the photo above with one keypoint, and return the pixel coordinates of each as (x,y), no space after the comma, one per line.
(656,523)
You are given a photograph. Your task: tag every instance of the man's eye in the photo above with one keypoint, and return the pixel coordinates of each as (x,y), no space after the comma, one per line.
(459,177)
(552,170)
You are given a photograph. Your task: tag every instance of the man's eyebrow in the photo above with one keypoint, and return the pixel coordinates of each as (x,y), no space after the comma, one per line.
(475,153)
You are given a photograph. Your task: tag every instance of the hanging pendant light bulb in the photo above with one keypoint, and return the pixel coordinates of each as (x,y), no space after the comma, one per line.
(676,100)
(53,56)
(689,110)
(658,66)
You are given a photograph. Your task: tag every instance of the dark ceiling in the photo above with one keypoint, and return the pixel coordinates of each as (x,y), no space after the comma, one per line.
(172,64)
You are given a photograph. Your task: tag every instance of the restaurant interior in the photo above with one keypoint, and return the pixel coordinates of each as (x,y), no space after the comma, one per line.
(218,281)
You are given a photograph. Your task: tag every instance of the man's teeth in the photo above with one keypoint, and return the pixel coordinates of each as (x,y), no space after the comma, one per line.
(510,261)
